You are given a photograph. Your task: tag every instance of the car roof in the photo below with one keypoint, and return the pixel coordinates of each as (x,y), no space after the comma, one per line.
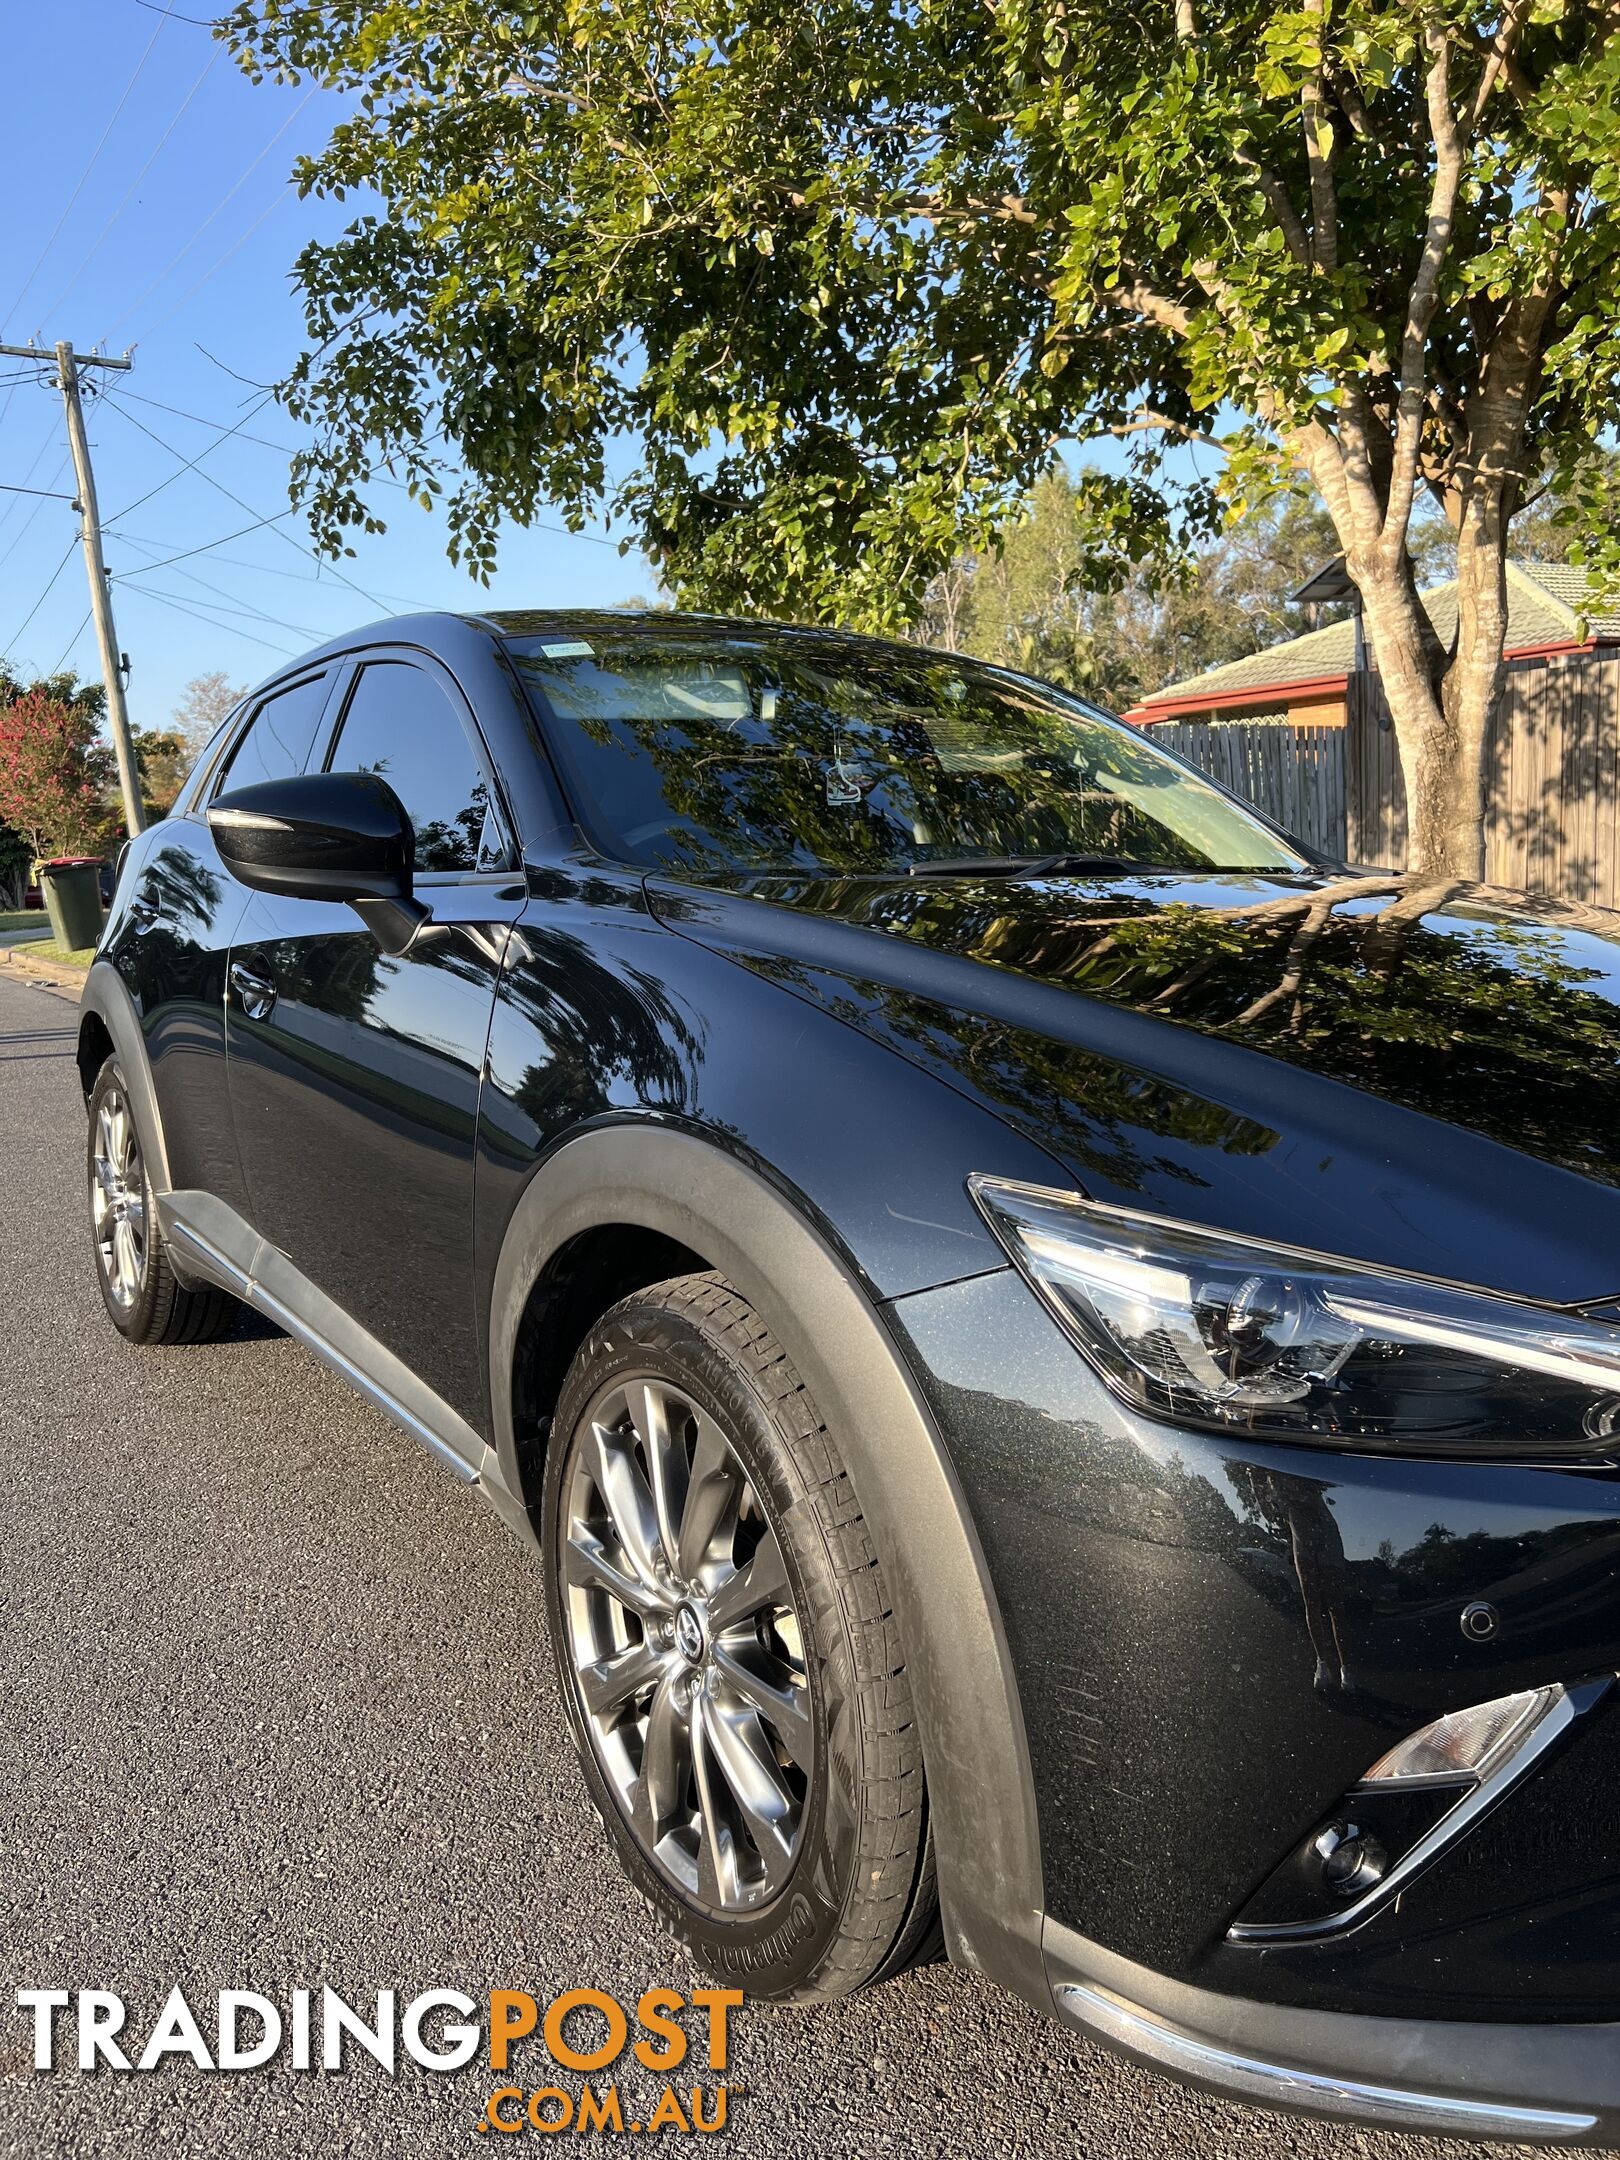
(439,629)
(678,622)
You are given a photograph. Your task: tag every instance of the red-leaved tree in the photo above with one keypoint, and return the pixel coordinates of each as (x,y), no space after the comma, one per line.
(55,774)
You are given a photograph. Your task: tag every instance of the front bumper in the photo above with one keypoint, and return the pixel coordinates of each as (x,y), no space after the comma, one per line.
(1212,1639)
(1526,2083)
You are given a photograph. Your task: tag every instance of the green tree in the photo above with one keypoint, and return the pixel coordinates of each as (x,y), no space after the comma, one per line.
(849,273)
(164,758)
(17,848)
(1551,522)
(1027,602)
(56,775)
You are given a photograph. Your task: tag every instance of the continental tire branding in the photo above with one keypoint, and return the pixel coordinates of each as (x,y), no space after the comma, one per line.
(545,2059)
(799,1928)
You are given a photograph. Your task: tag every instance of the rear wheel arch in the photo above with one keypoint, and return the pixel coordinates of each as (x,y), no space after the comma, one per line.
(96,1046)
(687,1196)
(109,1023)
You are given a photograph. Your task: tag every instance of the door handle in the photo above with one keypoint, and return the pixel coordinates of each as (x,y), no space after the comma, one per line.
(254,993)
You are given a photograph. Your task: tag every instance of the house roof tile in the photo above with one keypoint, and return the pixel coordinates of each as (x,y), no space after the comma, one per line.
(1544,600)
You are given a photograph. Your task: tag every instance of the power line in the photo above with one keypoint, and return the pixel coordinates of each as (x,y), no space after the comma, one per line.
(222,603)
(44,596)
(241,562)
(229,196)
(21,533)
(198,615)
(381,479)
(270,524)
(125,199)
(206,547)
(190,464)
(78,189)
(73,640)
(214,269)
(179,413)
(232,603)
(203,22)
(33,467)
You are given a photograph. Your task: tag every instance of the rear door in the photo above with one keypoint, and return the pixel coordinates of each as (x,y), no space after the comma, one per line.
(184,908)
(355,1075)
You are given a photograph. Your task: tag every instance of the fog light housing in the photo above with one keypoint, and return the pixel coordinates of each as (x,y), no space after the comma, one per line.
(1352,1858)
(1416,1800)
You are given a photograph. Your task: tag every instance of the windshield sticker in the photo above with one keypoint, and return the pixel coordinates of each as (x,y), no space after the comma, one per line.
(568,649)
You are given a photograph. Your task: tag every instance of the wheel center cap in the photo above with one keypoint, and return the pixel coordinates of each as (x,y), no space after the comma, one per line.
(689,1634)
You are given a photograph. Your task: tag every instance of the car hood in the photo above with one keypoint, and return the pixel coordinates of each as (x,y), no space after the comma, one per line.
(1164,1035)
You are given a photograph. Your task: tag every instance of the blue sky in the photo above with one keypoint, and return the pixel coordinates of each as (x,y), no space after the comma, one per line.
(188,260)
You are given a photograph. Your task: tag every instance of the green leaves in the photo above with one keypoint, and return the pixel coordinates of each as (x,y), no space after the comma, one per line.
(805,297)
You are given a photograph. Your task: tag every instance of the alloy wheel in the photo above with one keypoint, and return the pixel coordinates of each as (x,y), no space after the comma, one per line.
(118,1199)
(685,1645)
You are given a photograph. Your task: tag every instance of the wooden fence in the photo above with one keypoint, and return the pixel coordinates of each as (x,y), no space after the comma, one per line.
(1294,774)
(1552,809)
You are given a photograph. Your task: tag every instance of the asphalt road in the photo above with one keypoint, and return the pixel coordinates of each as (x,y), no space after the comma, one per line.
(276,1710)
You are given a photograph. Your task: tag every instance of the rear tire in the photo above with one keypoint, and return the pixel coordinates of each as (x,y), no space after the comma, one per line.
(730,1665)
(145,1300)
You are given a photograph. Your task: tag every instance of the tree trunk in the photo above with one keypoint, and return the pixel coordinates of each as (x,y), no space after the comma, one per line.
(1441,706)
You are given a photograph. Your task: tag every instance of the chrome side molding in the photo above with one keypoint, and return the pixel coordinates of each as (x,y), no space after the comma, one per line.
(264,1279)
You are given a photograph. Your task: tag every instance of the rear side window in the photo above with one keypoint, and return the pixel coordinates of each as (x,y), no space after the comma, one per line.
(279,737)
(400,725)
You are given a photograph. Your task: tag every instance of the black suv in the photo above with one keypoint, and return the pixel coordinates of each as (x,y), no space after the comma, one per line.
(1059,1354)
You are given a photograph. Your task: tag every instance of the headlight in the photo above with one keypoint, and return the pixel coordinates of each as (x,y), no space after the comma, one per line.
(1213,1330)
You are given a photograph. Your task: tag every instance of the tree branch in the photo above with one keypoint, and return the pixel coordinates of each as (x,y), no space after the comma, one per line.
(1319,159)
(1347,96)
(1282,208)
(1145,420)
(1500,64)
(1425,294)
(1134,294)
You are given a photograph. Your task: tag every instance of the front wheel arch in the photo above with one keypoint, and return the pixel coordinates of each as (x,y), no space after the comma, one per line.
(676,1185)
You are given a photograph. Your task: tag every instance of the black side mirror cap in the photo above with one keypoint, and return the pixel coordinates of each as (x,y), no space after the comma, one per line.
(317,836)
(325,836)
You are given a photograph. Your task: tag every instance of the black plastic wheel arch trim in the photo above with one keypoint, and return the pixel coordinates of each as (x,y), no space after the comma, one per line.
(981,1794)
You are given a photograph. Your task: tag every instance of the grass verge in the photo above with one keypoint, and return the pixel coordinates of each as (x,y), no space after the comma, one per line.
(57,955)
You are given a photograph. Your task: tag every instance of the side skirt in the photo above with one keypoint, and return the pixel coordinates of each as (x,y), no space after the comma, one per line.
(218,1244)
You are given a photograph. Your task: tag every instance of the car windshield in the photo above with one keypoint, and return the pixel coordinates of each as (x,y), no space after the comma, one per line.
(736,752)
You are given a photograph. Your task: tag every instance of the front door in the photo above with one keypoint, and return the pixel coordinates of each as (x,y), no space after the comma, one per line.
(184,910)
(354,1076)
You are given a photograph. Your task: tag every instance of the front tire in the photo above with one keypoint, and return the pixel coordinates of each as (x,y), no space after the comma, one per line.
(728,1658)
(145,1300)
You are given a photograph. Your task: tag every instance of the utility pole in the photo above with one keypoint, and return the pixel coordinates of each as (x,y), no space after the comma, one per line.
(68,363)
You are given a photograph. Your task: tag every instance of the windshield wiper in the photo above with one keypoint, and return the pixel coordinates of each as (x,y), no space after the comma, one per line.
(1025,866)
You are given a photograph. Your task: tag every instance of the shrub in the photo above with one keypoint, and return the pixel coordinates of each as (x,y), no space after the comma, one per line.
(55,773)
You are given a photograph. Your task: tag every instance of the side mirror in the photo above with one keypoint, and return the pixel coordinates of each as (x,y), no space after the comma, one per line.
(325,836)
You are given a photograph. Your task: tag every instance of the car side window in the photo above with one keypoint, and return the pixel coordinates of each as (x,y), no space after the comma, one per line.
(279,736)
(401,725)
